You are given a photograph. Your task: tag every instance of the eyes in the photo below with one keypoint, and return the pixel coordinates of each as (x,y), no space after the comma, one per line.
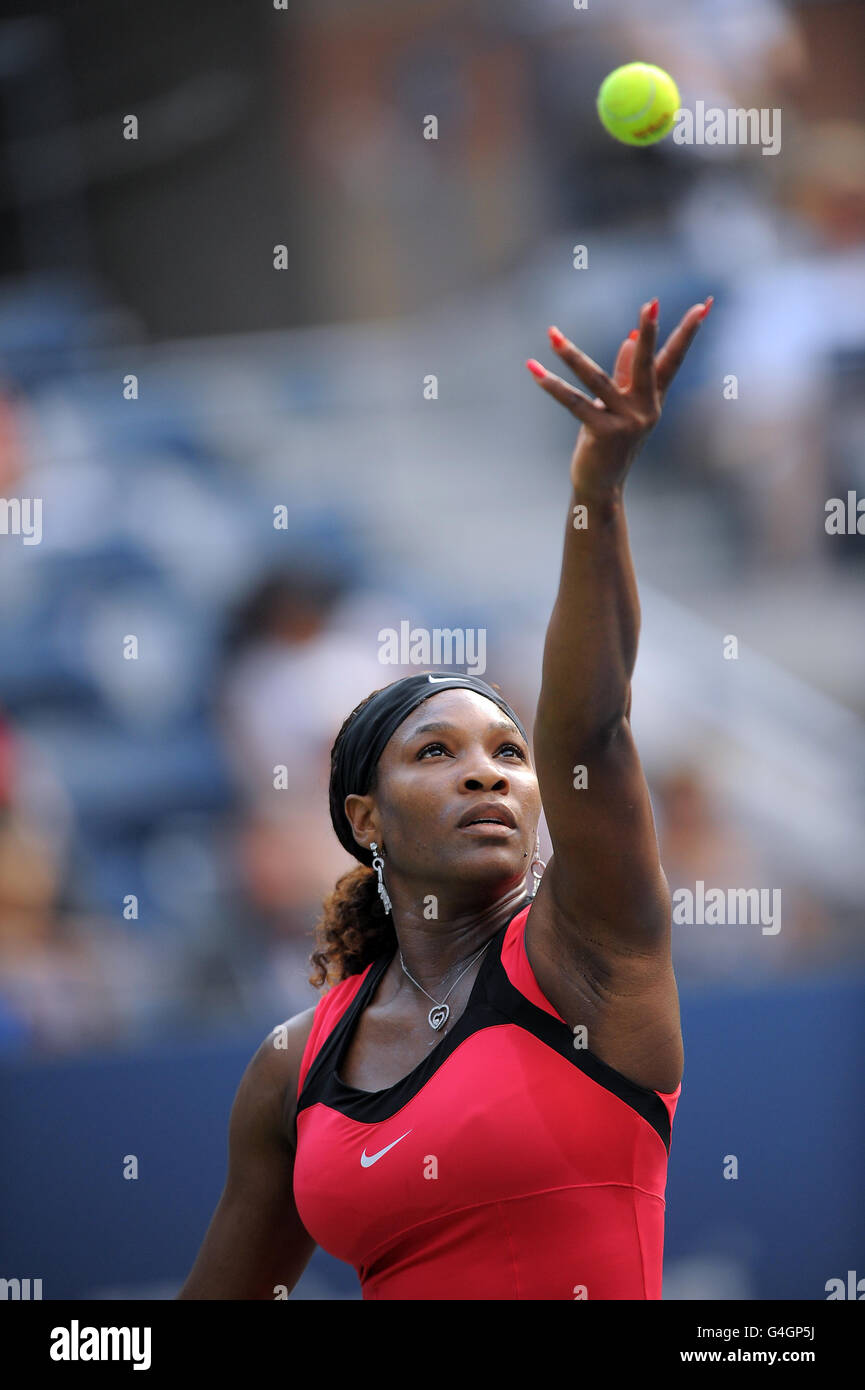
(440,747)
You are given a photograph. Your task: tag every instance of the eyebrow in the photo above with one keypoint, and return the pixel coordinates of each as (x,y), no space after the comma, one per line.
(442,727)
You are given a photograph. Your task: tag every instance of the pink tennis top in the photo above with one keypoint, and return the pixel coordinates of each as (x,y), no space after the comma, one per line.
(508,1164)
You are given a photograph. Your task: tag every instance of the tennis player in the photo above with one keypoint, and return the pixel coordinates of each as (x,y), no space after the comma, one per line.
(480,1104)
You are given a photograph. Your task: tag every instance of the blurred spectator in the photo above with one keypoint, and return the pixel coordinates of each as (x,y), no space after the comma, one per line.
(66,981)
(700,842)
(364,88)
(292,677)
(808,302)
(293,674)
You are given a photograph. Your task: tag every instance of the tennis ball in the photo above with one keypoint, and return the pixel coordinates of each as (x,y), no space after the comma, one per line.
(637,103)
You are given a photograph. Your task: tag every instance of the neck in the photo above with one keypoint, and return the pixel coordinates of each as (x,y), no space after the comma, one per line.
(433,950)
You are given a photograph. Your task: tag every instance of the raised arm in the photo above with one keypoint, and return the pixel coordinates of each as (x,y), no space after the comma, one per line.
(255,1242)
(604,888)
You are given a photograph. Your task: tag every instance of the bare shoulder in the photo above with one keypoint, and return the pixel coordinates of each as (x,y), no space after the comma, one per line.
(269,1084)
(282,1049)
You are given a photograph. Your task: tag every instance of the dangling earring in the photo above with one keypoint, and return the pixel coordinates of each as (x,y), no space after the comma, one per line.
(378,865)
(538,866)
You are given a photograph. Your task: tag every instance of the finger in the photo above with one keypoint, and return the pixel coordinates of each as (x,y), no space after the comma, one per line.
(586,369)
(625,360)
(568,396)
(672,354)
(643,381)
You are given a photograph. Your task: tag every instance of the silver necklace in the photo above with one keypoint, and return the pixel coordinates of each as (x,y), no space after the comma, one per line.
(439,1015)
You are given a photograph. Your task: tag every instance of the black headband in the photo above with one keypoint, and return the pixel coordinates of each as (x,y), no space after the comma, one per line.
(354,760)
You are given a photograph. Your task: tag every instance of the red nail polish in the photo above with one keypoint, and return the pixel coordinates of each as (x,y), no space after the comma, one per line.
(536,369)
(653,311)
(707,306)
(556,338)
(634,333)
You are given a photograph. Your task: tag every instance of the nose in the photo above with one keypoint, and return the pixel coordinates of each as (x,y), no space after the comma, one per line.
(485,777)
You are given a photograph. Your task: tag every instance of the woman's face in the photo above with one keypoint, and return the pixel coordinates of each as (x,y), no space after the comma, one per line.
(456,759)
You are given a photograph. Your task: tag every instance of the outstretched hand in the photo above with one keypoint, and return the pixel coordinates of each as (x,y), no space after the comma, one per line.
(627,406)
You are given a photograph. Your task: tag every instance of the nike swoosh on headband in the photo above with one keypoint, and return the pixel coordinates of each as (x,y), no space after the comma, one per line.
(367,1160)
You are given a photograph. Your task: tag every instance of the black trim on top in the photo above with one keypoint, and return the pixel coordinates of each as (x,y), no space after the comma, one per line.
(493,1001)
(323,1082)
(506,999)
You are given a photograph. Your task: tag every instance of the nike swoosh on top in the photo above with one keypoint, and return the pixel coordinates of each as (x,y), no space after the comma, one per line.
(444,678)
(367,1160)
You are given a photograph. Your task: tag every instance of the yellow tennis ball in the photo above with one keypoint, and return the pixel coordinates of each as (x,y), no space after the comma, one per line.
(637,103)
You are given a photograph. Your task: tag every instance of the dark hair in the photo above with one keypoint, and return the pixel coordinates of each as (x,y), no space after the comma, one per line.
(354,928)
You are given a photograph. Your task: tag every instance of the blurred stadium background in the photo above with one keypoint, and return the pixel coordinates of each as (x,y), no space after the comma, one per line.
(157,895)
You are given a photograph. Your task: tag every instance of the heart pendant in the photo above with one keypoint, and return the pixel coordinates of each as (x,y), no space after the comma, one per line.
(439,1016)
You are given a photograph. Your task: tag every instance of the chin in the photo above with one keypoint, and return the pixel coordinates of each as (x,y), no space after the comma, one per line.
(496,864)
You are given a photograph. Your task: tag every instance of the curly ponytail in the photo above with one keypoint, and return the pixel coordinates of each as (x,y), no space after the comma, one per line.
(354,928)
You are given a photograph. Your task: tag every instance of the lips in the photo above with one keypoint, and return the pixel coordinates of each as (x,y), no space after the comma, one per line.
(487,811)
